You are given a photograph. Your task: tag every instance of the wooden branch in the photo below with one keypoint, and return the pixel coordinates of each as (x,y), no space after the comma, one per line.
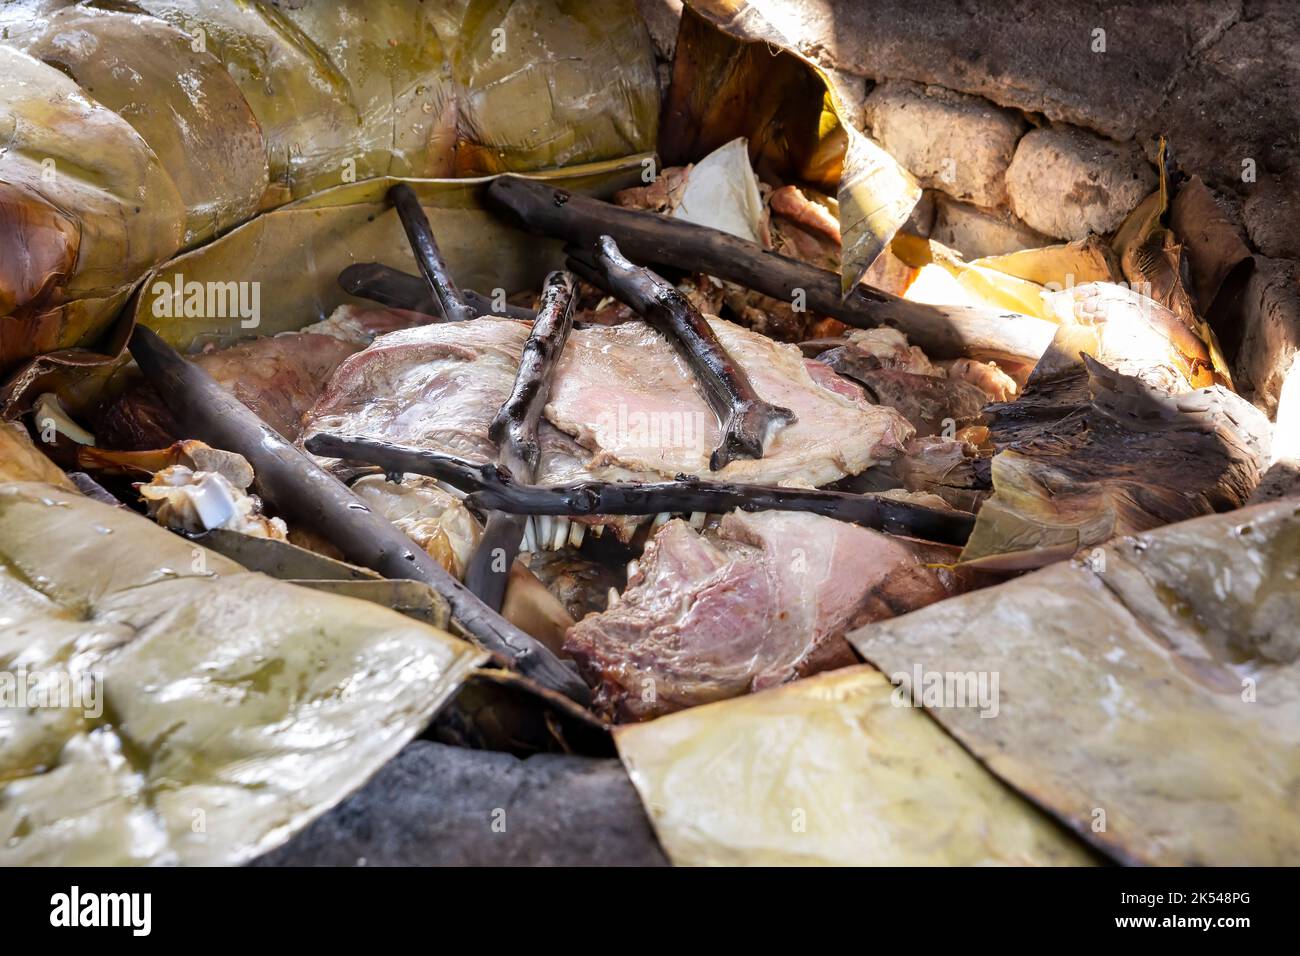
(645,237)
(747,422)
(451,303)
(514,429)
(303,492)
(495,489)
(401,290)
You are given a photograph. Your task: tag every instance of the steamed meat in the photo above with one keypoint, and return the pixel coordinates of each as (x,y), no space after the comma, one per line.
(433,518)
(623,404)
(435,387)
(763,601)
(279,377)
(986,376)
(625,393)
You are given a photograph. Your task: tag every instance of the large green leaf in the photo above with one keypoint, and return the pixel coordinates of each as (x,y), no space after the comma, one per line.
(235,708)
(295,253)
(85,205)
(1150,695)
(182,102)
(828,770)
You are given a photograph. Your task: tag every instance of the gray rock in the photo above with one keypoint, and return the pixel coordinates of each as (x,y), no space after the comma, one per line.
(976,232)
(1067,182)
(1270,332)
(949,141)
(435,805)
(1035,55)
(1238,99)
(1272,214)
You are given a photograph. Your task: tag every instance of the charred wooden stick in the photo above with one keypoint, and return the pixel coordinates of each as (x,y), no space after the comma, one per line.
(494,488)
(451,303)
(401,290)
(514,429)
(748,423)
(646,237)
(304,492)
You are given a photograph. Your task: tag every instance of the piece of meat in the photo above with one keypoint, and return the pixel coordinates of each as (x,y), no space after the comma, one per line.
(624,393)
(279,377)
(948,467)
(626,404)
(662,196)
(433,518)
(889,348)
(435,387)
(930,403)
(986,376)
(582,586)
(765,600)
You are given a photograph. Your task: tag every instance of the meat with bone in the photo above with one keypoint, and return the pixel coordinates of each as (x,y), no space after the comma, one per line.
(279,377)
(765,600)
(625,403)
(624,393)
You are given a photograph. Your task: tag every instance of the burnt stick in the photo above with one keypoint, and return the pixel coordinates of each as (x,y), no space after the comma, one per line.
(305,493)
(401,290)
(514,429)
(748,423)
(425,247)
(495,489)
(646,237)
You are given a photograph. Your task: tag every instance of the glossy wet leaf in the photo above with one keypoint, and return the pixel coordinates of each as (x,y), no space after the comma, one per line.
(1150,694)
(828,770)
(235,708)
(293,255)
(85,205)
(183,103)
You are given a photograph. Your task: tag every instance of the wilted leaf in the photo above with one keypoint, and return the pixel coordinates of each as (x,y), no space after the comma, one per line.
(1106,454)
(182,103)
(1150,694)
(828,770)
(233,708)
(735,74)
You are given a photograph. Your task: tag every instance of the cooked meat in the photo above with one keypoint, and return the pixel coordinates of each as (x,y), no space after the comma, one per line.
(888,348)
(986,376)
(764,601)
(663,195)
(278,376)
(431,517)
(930,403)
(622,392)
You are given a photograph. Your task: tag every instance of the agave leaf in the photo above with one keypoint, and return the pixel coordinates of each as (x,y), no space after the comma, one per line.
(1213,243)
(21,460)
(975,284)
(182,103)
(226,696)
(828,770)
(353,90)
(294,254)
(85,204)
(1155,265)
(1072,263)
(1127,687)
(735,74)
